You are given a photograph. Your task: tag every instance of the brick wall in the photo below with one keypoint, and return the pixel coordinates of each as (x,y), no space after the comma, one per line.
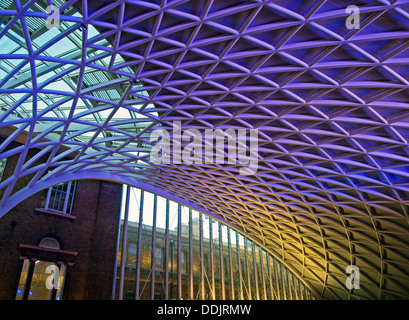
(92,232)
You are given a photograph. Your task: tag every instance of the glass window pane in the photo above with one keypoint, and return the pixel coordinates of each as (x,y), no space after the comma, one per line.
(158,258)
(148,209)
(230,265)
(2,166)
(38,288)
(49,243)
(161,213)
(59,197)
(23,280)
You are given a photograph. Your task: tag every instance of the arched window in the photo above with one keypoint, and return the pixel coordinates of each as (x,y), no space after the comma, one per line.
(48,242)
(60,197)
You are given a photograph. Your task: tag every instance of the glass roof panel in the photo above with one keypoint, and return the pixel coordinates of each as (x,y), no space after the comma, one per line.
(60,69)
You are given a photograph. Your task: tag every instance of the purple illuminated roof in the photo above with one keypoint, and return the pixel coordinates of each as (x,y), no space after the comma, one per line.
(330,105)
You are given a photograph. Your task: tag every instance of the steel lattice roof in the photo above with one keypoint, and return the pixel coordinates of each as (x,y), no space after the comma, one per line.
(330,105)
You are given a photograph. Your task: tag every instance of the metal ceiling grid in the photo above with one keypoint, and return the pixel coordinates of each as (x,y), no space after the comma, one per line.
(330,105)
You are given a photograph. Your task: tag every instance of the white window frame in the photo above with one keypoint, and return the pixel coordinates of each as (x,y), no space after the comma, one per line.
(71,184)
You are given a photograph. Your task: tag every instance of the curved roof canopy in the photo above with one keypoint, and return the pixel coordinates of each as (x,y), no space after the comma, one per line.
(83,94)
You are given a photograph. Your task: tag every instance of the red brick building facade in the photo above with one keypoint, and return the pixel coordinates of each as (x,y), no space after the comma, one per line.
(87,240)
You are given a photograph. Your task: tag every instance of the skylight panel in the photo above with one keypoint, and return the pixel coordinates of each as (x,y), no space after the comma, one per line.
(7,45)
(60,69)
(46,36)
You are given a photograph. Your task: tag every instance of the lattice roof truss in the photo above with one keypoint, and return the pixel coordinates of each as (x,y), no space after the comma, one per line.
(330,105)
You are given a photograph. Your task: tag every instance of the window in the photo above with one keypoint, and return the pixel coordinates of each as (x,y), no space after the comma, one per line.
(129,295)
(159,261)
(49,243)
(184,262)
(206,263)
(60,197)
(226,267)
(132,248)
(40,279)
(208,249)
(131,256)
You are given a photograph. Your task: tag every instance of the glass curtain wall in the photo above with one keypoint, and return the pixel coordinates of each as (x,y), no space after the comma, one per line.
(167,251)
